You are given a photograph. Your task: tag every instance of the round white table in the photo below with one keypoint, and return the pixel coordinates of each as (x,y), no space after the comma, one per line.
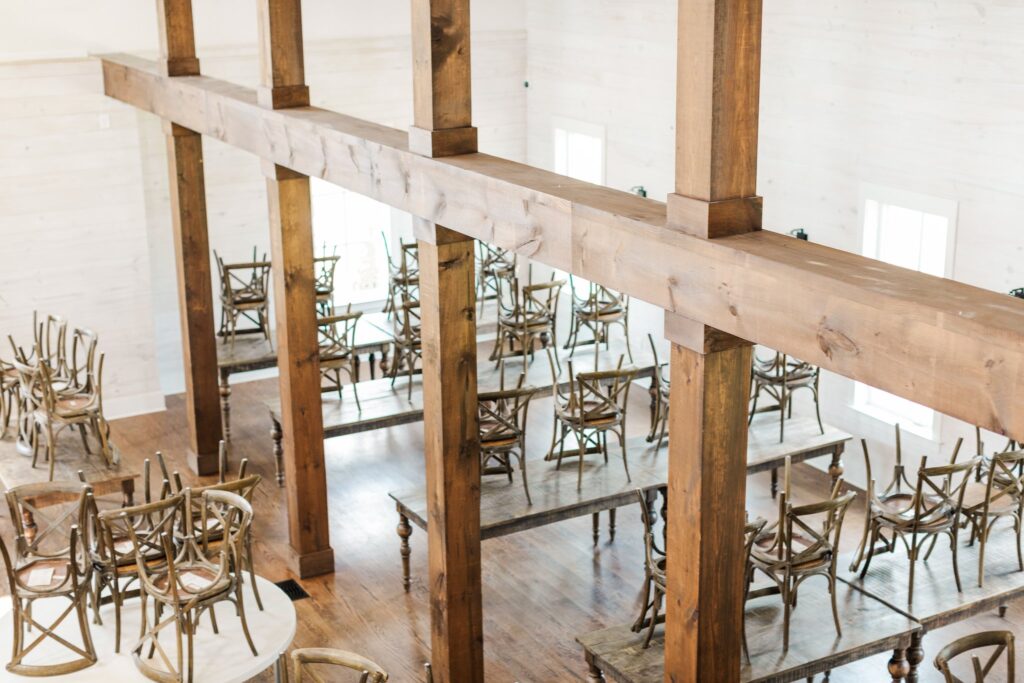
(219,658)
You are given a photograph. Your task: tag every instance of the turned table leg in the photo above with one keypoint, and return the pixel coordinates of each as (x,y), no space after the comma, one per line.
(835,468)
(276,435)
(594,673)
(611,525)
(225,405)
(357,363)
(915,655)
(775,483)
(404,532)
(596,517)
(899,667)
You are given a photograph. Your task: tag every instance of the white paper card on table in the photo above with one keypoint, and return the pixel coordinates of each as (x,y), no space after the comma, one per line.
(41,577)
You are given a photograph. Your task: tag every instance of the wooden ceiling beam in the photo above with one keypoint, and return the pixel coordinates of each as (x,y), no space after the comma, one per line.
(956,348)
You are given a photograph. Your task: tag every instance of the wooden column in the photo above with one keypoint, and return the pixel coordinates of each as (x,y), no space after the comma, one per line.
(442,127)
(191,247)
(291,244)
(715,196)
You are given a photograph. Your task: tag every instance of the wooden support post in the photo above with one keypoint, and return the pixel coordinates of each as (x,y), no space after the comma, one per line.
(716,174)
(191,247)
(442,127)
(291,243)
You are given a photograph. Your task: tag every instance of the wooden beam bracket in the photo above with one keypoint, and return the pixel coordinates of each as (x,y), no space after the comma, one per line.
(698,337)
(443,143)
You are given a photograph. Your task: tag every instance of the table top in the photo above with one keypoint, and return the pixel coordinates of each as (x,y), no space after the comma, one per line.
(869,627)
(936,600)
(804,440)
(16,469)
(503,507)
(219,658)
(387,406)
(253,352)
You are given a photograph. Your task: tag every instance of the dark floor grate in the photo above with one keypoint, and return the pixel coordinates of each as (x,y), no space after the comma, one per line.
(292,589)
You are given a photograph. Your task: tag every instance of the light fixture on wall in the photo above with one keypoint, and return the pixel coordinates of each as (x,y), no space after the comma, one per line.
(1019,292)
(799,233)
(639,190)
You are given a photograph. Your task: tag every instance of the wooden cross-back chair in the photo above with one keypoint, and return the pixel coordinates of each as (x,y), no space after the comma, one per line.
(660,386)
(779,376)
(190,580)
(503,421)
(47,412)
(244,293)
(403,274)
(1001,642)
(805,544)
(50,342)
(1001,498)
(50,562)
(897,495)
(337,342)
(529,315)
(594,404)
(934,511)
(597,308)
(494,266)
(324,268)
(305,659)
(653,591)
(408,342)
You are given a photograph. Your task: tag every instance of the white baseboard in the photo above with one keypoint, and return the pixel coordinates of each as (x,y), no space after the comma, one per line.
(129,406)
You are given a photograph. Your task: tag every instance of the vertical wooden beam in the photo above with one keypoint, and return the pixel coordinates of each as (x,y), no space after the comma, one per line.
(716,178)
(447,306)
(291,244)
(191,247)
(443,127)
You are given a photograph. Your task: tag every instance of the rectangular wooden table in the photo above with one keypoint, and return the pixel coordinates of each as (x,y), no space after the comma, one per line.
(384,405)
(503,508)
(869,627)
(253,352)
(16,468)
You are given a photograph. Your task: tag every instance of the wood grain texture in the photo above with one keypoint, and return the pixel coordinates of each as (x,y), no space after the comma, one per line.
(282,62)
(195,294)
(707,485)
(452,453)
(876,323)
(441,64)
(177,38)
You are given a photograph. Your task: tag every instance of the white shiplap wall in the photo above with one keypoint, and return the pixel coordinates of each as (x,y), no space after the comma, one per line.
(84,213)
(918,95)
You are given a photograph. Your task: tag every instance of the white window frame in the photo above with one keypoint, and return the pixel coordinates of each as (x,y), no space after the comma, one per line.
(594,130)
(915,201)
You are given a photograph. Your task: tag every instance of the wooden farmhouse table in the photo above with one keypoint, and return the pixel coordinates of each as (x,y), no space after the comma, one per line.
(253,352)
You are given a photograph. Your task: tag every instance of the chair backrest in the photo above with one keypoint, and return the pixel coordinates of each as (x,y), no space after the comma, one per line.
(79,566)
(410,259)
(495,260)
(818,526)
(107,536)
(938,492)
(30,381)
(1005,480)
(83,372)
(598,393)
(899,471)
(410,328)
(303,659)
(337,334)
(42,515)
(248,278)
(323,269)
(503,413)
(597,298)
(51,341)
(542,299)
(1001,641)
(229,514)
(653,551)
(660,380)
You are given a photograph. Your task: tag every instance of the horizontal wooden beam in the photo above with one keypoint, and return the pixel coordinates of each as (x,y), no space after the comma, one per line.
(956,348)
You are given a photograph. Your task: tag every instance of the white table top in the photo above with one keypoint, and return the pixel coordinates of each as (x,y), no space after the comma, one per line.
(219,658)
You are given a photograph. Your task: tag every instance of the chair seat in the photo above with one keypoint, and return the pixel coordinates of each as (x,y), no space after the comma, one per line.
(58,565)
(974,500)
(196,580)
(74,404)
(503,441)
(576,416)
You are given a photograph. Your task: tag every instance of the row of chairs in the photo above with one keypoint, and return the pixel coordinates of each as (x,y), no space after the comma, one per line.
(57,385)
(185,548)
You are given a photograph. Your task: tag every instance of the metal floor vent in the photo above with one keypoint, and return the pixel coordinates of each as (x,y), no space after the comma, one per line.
(292,589)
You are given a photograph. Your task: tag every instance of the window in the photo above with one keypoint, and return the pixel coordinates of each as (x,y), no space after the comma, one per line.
(911,231)
(352,223)
(579,150)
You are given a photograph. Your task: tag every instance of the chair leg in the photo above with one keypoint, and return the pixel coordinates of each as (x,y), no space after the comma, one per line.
(913,564)
(583,449)
(835,609)
(625,458)
(956,564)
(522,469)
(753,406)
(981,551)
(872,539)
(241,615)
(655,610)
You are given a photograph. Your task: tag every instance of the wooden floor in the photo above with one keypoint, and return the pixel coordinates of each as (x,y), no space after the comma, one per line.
(541,587)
